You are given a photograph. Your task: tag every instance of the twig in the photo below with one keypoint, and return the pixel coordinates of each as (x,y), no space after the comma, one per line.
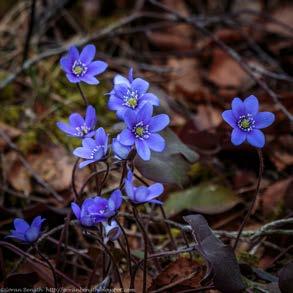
(29,31)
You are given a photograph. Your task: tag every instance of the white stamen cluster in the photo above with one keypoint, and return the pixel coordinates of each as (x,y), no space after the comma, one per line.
(78,68)
(97,148)
(82,130)
(130,99)
(246,122)
(141,131)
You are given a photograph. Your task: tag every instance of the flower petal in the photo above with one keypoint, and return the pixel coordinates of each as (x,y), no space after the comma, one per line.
(140,85)
(75,120)
(72,78)
(121,151)
(17,235)
(89,79)
(66,128)
(66,64)
(150,98)
(87,54)
(238,136)
(114,103)
(118,79)
(130,118)
(20,225)
(116,197)
(101,136)
(238,108)
(256,138)
(37,222)
(143,149)
(85,163)
(129,189)
(67,61)
(127,137)
(89,143)
(90,117)
(156,190)
(76,210)
(96,67)
(158,122)
(156,142)
(82,152)
(264,119)
(251,105)
(141,194)
(229,118)
(145,113)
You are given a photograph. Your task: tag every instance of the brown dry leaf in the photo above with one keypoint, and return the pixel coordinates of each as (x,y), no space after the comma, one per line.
(284,15)
(225,72)
(207,117)
(138,284)
(186,79)
(281,154)
(180,270)
(275,195)
(52,164)
(10,131)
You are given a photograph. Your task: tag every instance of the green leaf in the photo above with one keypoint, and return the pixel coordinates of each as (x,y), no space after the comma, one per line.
(171,165)
(207,197)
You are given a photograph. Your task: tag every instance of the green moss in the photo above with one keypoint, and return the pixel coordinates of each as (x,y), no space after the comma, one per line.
(247,258)
(11,114)
(28,140)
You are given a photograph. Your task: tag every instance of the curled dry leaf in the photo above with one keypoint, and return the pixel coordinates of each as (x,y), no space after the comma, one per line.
(220,257)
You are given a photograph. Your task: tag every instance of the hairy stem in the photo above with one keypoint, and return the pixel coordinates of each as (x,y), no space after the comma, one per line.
(82,94)
(250,209)
(145,240)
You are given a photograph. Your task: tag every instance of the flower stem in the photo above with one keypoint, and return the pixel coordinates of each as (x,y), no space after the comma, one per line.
(82,94)
(110,255)
(128,255)
(45,259)
(250,209)
(145,239)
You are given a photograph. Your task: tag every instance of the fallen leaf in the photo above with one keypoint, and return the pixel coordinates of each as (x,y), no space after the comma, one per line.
(226,72)
(274,196)
(178,270)
(221,257)
(207,197)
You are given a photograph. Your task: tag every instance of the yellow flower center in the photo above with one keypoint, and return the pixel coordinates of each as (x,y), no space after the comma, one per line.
(139,131)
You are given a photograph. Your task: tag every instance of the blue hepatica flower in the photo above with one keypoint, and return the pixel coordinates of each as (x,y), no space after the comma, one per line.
(142,131)
(142,194)
(93,150)
(78,126)
(121,151)
(112,230)
(81,67)
(130,94)
(247,121)
(97,209)
(27,233)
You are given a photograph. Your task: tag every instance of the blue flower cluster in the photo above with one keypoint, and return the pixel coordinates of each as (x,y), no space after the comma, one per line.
(134,105)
